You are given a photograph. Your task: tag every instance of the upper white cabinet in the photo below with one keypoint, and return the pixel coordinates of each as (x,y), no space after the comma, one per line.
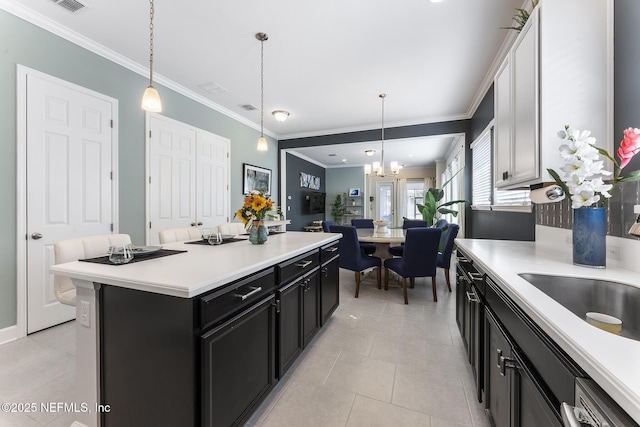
(559,71)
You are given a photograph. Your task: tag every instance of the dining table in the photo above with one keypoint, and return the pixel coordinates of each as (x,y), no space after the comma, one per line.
(382,239)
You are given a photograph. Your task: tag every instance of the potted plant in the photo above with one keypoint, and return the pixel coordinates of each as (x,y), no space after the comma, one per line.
(431,206)
(337,209)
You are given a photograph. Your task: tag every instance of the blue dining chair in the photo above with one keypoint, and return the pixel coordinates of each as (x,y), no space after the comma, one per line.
(406,224)
(418,260)
(326,225)
(352,258)
(362,223)
(444,255)
(367,247)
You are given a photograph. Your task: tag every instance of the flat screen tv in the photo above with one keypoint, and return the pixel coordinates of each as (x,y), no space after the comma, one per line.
(314,202)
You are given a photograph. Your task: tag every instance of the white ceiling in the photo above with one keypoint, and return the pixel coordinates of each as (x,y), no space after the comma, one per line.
(325,62)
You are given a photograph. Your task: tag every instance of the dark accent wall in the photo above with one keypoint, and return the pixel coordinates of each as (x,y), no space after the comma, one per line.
(295,165)
(483,224)
(626,66)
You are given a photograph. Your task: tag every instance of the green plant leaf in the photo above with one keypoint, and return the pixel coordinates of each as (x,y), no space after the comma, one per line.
(445,211)
(632,176)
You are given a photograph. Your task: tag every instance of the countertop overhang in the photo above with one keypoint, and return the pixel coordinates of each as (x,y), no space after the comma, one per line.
(612,361)
(202,268)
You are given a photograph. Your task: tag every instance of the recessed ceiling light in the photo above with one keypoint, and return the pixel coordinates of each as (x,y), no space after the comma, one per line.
(436,1)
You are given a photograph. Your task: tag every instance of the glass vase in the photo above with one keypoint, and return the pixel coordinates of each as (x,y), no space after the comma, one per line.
(258,233)
(589,237)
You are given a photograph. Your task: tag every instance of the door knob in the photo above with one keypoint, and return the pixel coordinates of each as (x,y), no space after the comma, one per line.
(36,236)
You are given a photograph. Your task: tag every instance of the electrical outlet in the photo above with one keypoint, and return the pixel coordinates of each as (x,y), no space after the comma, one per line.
(85,313)
(613,252)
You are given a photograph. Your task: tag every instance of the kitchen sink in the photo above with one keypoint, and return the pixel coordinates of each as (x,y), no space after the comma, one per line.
(583,295)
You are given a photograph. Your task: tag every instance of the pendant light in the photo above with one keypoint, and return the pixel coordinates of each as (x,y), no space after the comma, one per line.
(262,142)
(381,168)
(151,98)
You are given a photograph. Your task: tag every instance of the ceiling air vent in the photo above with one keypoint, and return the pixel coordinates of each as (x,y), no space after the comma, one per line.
(248,107)
(70,5)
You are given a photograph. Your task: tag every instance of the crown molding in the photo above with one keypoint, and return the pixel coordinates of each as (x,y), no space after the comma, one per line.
(53,27)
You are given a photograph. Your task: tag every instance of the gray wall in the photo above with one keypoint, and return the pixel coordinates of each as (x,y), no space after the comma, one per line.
(26,44)
(339,181)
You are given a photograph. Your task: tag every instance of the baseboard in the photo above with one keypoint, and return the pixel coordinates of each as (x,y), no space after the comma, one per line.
(8,334)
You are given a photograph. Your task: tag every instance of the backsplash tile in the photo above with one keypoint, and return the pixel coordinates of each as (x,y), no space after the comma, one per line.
(620,214)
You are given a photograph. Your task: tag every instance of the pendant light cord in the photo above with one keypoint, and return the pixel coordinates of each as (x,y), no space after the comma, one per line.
(382,96)
(151,12)
(262,87)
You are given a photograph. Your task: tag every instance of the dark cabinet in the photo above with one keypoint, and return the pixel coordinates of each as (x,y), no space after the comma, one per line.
(298,318)
(514,397)
(329,282)
(310,307)
(470,314)
(238,365)
(298,307)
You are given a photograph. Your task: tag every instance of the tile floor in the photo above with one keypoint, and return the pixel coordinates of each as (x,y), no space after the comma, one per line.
(377,362)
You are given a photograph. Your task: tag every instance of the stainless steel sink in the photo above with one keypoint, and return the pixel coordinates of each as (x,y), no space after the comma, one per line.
(580,296)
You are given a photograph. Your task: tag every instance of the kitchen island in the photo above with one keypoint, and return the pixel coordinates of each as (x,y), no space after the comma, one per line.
(148,333)
(610,360)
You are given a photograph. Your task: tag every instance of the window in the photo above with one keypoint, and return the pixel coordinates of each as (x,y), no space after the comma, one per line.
(414,195)
(485,196)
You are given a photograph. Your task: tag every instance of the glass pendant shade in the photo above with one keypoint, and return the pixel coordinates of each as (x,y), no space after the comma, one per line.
(367,169)
(151,100)
(262,144)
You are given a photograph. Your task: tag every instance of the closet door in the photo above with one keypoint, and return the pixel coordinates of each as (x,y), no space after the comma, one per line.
(171,175)
(212,183)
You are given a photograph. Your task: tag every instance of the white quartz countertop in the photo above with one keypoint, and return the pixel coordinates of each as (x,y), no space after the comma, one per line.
(612,361)
(201,268)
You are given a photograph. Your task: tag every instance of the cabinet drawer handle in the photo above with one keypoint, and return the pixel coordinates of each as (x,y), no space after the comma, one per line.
(254,290)
(505,363)
(573,417)
(472,297)
(333,249)
(303,263)
(474,276)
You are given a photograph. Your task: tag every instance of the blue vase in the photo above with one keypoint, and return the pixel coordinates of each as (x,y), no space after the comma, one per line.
(589,237)
(258,234)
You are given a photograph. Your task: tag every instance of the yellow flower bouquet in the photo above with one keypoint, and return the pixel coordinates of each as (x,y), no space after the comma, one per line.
(255,208)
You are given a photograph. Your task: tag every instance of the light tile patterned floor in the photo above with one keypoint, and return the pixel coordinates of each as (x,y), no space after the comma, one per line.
(377,362)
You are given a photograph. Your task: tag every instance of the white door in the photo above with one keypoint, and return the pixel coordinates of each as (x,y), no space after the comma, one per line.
(212,183)
(172,175)
(69,189)
(188,177)
(386,201)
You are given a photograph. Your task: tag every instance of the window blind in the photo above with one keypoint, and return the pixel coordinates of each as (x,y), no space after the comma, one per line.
(481,167)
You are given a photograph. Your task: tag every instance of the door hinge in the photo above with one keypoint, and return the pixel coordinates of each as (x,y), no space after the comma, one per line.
(111,175)
(149,180)
(149,224)
(149,134)
(277,306)
(111,123)
(112,227)
(227,154)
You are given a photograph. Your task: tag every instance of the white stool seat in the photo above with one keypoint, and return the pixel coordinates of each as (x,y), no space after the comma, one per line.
(231,228)
(80,248)
(171,235)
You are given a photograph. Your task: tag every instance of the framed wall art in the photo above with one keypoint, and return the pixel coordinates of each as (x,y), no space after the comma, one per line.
(309,181)
(256,178)
(354,192)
